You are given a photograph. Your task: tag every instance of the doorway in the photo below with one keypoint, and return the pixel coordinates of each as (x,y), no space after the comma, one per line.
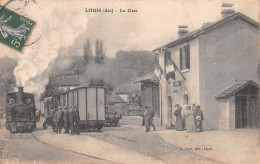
(247,108)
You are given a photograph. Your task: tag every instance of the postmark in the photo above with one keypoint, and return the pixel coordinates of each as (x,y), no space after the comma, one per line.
(15,28)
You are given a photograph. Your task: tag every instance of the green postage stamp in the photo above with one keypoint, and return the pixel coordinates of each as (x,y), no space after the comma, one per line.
(15,28)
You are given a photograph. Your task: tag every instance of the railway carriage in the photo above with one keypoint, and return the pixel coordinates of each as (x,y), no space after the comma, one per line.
(91,105)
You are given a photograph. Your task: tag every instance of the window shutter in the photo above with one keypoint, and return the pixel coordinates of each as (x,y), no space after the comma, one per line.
(184,58)
(181,58)
(188,56)
(167,57)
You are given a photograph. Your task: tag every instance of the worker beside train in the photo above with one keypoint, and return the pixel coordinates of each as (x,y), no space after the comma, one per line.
(53,111)
(58,120)
(66,119)
(62,124)
(48,120)
(76,119)
(71,119)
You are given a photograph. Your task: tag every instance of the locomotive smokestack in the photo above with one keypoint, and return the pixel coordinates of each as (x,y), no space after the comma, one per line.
(19,95)
(20,89)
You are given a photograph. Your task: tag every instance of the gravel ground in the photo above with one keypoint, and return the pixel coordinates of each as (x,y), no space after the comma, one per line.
(131,136)
(24,148)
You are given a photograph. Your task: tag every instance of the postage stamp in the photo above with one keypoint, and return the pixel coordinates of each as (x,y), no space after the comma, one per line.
(15,28)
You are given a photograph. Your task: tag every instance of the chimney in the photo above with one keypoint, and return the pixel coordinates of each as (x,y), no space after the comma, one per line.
(183,29)
(19,95)
(20,89)
(227,10)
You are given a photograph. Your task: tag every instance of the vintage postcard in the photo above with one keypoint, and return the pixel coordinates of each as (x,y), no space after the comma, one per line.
(129,81)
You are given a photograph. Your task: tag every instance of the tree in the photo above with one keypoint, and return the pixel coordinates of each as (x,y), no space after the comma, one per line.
(87,51)
(97,51)
(100,55)
(101,52)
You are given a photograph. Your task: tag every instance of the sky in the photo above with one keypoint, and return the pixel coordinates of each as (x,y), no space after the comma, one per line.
(63,27)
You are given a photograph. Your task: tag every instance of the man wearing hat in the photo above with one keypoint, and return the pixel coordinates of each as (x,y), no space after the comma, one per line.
(52,114)
(148,118)
(72,120)
(76,119)
(66,120)
(58,119)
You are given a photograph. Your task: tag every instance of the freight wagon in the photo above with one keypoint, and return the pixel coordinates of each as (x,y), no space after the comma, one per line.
(20,111)
(91,105)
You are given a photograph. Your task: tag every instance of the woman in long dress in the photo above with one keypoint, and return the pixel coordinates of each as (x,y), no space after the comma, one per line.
(190,121)
(179,122)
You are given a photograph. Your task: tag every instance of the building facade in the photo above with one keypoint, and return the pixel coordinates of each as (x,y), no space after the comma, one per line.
(208,60)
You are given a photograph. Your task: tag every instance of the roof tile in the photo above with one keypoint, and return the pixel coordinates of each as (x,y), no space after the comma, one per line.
(236,86)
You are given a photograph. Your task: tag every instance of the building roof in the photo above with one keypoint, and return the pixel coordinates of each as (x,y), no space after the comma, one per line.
(113,99)
(128,88)
(235,87)
(208,28)
(66,81)
(150,77)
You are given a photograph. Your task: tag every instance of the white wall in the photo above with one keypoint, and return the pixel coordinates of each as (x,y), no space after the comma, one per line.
(228,53)
(189,86)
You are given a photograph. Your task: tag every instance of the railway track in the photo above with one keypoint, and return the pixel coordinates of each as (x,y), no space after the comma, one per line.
(89,156)
(26,147)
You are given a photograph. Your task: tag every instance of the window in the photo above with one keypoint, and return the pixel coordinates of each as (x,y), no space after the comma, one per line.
(167,57)
(185,57)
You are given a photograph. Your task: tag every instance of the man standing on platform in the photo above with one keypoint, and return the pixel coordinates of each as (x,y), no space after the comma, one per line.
(58,120)
(66,120)
(148,118)
(76,119)
(53,111)
(71,118)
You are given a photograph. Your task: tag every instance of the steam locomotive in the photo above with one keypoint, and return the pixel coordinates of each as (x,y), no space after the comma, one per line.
(20,111)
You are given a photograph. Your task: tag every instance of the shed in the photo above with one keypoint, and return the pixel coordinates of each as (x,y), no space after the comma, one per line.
(115,102)
(239,105)
(150,93)
(113,98)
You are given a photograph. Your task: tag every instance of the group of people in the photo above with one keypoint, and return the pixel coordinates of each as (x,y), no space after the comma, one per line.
(62,117)
(189,119)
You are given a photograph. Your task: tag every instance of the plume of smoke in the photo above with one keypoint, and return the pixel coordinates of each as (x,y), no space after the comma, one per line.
(97,72)
(58,24)
(108,72)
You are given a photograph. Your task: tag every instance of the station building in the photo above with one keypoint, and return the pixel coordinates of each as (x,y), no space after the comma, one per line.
(216,68)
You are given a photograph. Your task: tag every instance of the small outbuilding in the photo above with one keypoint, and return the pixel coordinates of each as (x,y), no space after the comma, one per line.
(116,102)
(125,90)
(239,106)
(150,94)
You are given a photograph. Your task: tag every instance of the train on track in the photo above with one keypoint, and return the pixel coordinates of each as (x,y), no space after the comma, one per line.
(20,112)
(91,104)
